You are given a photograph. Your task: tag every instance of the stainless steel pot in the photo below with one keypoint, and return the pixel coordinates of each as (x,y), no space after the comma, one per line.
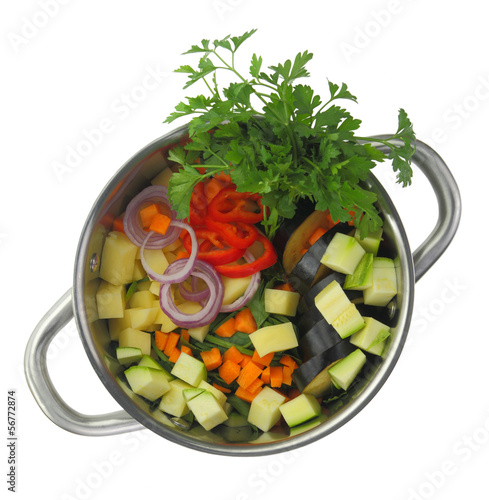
(79,303)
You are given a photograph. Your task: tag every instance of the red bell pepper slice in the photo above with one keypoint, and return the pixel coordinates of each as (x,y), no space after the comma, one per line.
(212,249)
(237,235)
(266,259)
(230,205)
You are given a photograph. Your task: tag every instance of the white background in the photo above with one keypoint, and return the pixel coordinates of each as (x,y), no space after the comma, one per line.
(72,67)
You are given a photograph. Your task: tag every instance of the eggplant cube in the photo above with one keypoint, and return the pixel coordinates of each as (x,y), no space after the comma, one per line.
(265,409)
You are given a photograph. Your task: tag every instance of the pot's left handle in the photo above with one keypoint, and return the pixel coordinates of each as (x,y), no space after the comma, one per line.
(44,392)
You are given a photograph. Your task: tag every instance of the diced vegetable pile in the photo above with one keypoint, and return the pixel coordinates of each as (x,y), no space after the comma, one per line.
(220,314)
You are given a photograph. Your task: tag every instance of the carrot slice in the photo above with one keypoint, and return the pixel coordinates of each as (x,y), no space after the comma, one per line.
(262,361)
(287,360)
(265,376)
(233,354)
(226,390)
(186,349)
(229,371)
(160,339)
(248,374)
(244,321)
(175,354)
(316,235)
(227,329)
(160,223)
(287,375)
(246,359)
(276,376)
(212,359)
(255,385)
(147,213)
(171,343)
(246,395)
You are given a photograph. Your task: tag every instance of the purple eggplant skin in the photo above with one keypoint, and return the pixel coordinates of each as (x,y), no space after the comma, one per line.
(321,337)
(303,274)
(309,370)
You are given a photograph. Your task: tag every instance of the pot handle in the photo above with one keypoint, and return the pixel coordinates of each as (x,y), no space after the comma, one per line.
(44,392)
(449,205)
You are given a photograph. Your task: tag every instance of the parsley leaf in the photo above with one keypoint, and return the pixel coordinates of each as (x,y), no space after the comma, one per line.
(277,137)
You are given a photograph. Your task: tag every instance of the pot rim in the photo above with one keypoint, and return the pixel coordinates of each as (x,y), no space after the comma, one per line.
(121,179)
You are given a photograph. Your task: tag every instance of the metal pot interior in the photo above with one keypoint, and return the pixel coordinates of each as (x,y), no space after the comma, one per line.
(130,179)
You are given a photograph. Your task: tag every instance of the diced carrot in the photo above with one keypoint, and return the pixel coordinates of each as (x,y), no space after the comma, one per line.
(255,385)
(118,225)
(171,343)
(227,329)
(233,354)
(246,359)
(286,287)
(276,376)
(248,374)
(287,375)
(161,339)
(160,223)
(229,371)
(175,354)
(264,361)
(245,322)
(186,349)
(246,395)
(304,251)
(287,360)
(147,213)
(185,335)
(211,188)
(316,235)
(265,376)
(226,390)
(212,359)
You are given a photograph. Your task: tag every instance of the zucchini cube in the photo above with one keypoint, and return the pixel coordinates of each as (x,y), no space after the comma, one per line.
(300,409)
(147,382)
(189,369)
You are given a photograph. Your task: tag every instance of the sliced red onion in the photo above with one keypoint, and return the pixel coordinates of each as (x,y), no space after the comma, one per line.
(209,311)
(136,234)
(249,292)
(193,295)
(182,273)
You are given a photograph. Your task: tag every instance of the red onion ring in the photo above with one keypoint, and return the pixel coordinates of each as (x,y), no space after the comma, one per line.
(193,295)
(184,271)
(132,227)
(211,308)
(249,292)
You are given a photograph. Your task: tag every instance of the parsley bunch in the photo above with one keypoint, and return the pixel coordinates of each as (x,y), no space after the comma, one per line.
(278,138)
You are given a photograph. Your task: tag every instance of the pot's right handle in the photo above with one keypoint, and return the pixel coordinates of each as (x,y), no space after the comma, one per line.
(46,395)
(449,205)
